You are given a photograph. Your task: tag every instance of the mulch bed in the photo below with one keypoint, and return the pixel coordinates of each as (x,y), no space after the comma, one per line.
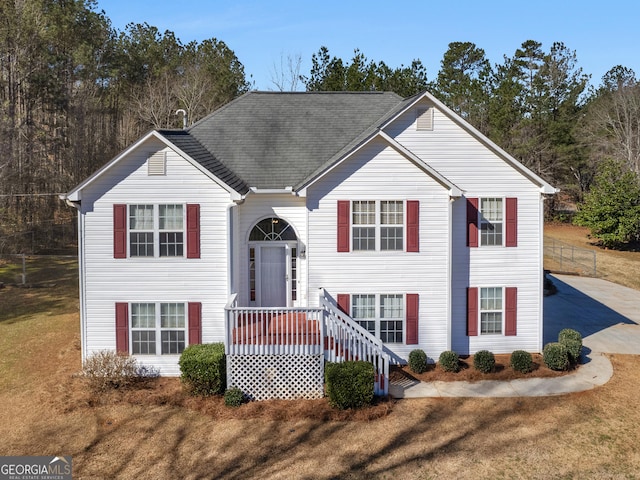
(468,373)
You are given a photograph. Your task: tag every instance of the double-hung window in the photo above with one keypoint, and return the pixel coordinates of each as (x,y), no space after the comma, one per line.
(378,225)
(158,328)
(491,310)
(156,230)
(491,221)
(381,315)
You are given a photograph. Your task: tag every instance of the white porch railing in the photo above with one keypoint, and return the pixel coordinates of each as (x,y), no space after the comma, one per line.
(304,331)
(347,340)
(273,331)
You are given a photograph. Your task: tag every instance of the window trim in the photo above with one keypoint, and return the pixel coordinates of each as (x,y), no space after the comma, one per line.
(482,221)
(378,226)
(158,329)
(156,231)
(377,318)
(501,310)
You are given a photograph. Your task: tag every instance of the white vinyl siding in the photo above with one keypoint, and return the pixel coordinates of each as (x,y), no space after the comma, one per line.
(365,177)
(143,279)
(482,173)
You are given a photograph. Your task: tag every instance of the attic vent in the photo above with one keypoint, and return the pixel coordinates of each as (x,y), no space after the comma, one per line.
(424,118)
(156,164)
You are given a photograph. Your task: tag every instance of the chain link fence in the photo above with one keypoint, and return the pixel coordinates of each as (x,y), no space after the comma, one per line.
(565,258)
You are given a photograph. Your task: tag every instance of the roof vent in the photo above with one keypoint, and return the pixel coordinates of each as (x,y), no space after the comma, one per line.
(424,118)
(157,164)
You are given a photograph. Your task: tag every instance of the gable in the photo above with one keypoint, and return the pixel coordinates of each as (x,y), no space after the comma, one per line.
(133,163)
(453,147)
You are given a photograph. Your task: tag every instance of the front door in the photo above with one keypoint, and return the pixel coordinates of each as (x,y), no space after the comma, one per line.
(273,276)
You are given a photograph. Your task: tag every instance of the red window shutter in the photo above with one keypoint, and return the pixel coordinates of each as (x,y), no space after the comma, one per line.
(472,311)
(472,222)
(412,318)
(511,222)
(122,327)
(119,231)
(344,303)
(511,311)
(193,230)
(343,225)
(413,226)
(195,323)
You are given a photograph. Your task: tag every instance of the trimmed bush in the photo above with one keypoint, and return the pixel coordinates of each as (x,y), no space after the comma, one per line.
(556,356)
(233,397)
(484,361)
(521,361)
(203,368)
(417,361)
(449,361)
(107,369)
(572,339)
(349,384)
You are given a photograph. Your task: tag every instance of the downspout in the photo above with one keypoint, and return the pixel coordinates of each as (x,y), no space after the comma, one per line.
(81,277)
(541,278)
(449,271)
(230,249)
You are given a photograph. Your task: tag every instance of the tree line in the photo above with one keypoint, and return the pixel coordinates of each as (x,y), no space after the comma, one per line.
(74,91)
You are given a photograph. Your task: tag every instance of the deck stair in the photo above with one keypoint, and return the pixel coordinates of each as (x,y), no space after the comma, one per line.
(268,339)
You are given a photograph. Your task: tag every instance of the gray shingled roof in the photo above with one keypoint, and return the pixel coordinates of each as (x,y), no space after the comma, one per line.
(274,140)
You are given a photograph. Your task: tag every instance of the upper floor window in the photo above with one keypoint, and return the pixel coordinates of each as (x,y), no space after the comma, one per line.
(378,225)
(491,221)
(156,230)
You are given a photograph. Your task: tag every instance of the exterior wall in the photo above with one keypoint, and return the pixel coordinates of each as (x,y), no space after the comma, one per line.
(378,172)
(455,153)
(108,280)
(255,208)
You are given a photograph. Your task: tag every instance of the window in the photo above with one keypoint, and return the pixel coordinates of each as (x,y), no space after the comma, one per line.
(491,221)
(378,225)
(156,230)
(158,328)
(381,315)
(491,310)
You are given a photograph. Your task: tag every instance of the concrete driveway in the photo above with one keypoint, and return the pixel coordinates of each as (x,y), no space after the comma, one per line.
(608,317)
(606,314)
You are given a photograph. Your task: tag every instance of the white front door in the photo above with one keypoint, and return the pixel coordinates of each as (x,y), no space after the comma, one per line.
(273,276)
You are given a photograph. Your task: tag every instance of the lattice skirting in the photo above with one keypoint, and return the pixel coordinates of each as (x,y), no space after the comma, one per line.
(262,377)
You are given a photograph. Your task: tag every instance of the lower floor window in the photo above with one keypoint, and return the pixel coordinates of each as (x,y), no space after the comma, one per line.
(491,310)
(381,314)
(158,328)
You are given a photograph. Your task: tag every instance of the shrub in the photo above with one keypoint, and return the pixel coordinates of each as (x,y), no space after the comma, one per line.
(107,369)
(556,356)
(449,361)
(349,384)
(418,361)
(233,397)
(573,341)
(203,368)
(484,361)
(521,361)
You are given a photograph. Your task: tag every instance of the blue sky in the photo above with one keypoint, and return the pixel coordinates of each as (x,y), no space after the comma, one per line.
(261,33)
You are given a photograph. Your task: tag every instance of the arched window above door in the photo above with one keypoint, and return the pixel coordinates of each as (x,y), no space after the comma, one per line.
(272,229)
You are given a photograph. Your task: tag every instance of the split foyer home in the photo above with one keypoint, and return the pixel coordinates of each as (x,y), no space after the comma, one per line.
(303,227)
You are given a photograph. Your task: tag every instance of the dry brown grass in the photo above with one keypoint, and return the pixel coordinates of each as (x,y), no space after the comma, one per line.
(160,432)
(621,267)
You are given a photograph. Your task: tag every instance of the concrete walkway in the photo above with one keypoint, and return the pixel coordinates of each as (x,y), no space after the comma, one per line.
(608,317)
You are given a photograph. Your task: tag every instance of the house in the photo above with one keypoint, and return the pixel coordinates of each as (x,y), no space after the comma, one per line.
(299,227)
